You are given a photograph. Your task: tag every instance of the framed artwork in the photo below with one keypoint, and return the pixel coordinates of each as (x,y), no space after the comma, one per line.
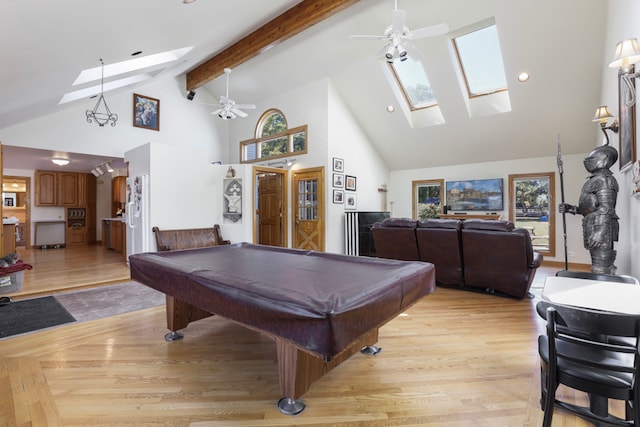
(146,112)
(338,165)
(351,203)
(627,149)
(338,196)
(350,183)
(338,180)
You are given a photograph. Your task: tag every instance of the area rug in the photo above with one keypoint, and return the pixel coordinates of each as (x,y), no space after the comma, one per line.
(109,300)
(19,317)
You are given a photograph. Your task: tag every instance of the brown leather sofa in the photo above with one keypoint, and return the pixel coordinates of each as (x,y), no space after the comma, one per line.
(395,238)
(487,255)
(439,243)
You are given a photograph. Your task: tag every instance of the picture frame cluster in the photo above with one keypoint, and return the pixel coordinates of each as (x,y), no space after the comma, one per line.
(344,186)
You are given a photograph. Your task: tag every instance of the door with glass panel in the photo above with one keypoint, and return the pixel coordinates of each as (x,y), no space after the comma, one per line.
(308,199)
(532,201)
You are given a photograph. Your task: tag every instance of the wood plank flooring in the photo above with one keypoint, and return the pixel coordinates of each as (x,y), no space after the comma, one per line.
(454,359)
(73,267)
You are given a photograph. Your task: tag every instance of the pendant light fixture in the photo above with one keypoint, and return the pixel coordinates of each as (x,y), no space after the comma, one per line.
(99,117)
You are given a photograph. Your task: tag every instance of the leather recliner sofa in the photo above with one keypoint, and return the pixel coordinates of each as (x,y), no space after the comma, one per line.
(488,255)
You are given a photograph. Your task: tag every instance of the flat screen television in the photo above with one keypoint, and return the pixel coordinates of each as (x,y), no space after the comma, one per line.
(475,195)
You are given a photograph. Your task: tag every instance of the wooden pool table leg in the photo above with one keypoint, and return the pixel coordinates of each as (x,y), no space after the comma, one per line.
(298,369)
(179,315)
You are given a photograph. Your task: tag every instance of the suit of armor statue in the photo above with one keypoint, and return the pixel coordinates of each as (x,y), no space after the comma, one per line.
(597,204)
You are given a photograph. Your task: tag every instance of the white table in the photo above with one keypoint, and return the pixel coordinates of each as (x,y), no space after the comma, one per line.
(607,296)
(600,295)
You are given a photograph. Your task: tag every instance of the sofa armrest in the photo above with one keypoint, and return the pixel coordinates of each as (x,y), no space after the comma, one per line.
(537,260)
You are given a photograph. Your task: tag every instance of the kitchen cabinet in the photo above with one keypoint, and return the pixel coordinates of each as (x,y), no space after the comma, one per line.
(68,189)
(46,188)
(114,234)
(60,188)
(8,239)
(119,194)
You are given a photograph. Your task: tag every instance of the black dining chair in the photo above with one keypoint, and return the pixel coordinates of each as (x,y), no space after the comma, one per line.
(597,276)
(576,352)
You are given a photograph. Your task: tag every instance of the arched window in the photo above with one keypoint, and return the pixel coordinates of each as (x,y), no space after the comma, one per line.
(273,139)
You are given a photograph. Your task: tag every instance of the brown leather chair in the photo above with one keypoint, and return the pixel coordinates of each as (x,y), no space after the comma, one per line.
(395,238)
(498,257)
(439,243)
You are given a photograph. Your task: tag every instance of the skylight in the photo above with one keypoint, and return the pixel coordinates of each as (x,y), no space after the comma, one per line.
(415,85)
(481,60)
(151,64)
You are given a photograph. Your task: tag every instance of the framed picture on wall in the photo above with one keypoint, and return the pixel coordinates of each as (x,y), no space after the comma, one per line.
(338,196)
(338,165)
(146,112)
(338,180)
(350,202)
(350,183)
(627,133)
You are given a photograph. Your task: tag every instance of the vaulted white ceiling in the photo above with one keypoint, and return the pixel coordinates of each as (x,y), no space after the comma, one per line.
(45,45)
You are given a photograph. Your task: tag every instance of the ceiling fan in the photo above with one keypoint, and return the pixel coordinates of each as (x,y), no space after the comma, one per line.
(398,35)
(228,108)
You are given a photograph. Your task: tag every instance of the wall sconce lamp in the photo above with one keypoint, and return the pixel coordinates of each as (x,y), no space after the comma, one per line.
(601,115)
(626,56)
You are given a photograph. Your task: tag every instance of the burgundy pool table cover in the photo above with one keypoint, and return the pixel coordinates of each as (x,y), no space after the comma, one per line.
(319,301)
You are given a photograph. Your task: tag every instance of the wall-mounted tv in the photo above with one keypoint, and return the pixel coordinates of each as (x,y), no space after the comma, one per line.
(475,195)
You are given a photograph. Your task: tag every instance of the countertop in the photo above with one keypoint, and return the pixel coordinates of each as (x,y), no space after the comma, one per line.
(119,218)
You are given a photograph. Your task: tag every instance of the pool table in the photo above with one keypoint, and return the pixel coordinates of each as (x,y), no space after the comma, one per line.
(320,308)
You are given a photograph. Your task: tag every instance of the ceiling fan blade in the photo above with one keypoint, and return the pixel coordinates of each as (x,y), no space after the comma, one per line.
(362,36)
(434,30)
(398,18)
(239,112)
(218,111)
(245,106)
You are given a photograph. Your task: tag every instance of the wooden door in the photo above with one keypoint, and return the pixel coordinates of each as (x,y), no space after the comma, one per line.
(270,203)
(309,209)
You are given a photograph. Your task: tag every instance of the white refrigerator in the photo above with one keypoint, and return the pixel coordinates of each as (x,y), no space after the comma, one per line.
(137,215)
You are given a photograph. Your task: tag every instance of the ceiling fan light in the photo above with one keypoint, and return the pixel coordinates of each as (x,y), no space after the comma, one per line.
(390,53)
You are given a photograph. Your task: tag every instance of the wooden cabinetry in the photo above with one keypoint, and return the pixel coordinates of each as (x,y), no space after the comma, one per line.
(60,188)
(46,188)
(119,194)
(68,189)
(8,238)
(113,235)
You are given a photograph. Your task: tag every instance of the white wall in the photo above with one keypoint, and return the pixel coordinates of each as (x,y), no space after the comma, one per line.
(332,132)
(183,123)
(348,141)
(622,24)
(400,195)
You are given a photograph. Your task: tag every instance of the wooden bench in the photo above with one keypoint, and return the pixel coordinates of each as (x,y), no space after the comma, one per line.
(179,313)
(188,238)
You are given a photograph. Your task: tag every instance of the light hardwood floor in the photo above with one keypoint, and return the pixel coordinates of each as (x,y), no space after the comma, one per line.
(74,267)
(454,359)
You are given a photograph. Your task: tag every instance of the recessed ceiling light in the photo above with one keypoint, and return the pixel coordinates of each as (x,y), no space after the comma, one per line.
(390,108)
(523,77)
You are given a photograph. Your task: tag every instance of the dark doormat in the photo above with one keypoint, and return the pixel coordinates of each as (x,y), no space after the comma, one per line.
(30,315)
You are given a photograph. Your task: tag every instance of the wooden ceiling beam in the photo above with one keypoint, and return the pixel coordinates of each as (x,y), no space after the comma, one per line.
(295,20)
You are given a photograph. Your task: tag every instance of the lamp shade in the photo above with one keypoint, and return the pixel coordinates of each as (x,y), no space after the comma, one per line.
(602,114)
(627,53)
